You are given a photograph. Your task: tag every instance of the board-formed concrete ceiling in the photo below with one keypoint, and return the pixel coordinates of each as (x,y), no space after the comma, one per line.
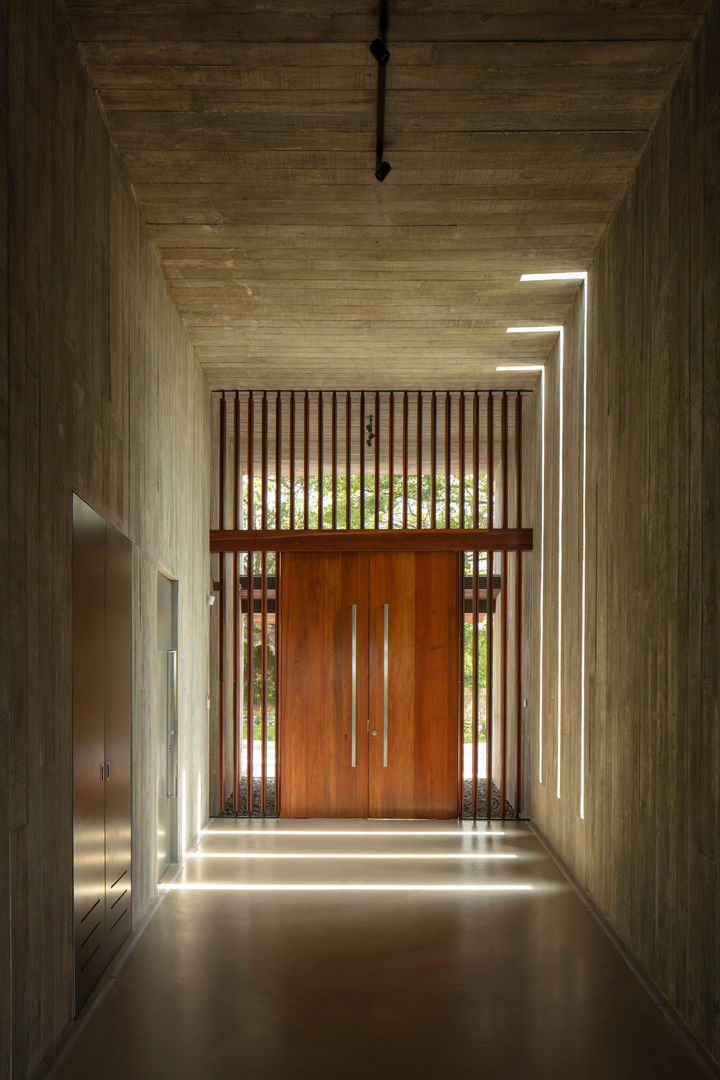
(247,129)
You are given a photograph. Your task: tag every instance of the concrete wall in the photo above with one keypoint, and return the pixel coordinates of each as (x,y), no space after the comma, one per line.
(647,848)
(102,396)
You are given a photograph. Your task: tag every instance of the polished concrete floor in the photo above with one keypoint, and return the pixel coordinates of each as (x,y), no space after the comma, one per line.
(358,949)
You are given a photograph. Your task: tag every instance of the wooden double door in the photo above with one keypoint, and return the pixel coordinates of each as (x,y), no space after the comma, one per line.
(369,685)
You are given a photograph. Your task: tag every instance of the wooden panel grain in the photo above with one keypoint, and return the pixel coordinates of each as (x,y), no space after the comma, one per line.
(372,540)
(316,739)
(420,778)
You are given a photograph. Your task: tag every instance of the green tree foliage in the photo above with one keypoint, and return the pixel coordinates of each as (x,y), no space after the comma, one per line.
(362,507)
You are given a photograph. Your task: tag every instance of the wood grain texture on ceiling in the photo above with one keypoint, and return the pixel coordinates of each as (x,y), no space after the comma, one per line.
(247,129)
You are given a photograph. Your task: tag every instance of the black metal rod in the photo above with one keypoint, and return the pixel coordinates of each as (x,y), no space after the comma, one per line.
(391,456)
(236,688)
(291,449)
(405,461)
(250,677)
(419,458)
(320,436)
(250,461)
(433,459)
(380,137)
(263,714)
(306,462)
(475,686)
(348,456)
(448,420)
(333,451)
(362,460)
(221,471)
(377,459)
(381,86)
(278,462)
(264,462)
(461,463)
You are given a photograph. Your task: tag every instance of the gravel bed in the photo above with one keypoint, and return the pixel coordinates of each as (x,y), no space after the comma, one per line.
(496,805)
(495,812)
(256,790)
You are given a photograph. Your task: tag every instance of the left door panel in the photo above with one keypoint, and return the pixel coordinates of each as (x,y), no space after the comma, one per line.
(323,641)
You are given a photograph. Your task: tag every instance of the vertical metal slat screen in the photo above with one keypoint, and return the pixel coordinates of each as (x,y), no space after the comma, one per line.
(346,460)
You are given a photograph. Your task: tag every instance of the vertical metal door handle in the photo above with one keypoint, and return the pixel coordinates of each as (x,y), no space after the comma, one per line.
(385,685)
(353,751)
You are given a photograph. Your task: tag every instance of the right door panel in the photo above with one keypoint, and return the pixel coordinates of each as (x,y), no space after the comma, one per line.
(413,685)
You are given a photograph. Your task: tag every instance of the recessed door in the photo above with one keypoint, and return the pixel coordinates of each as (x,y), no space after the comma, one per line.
(166,727)
(369,685)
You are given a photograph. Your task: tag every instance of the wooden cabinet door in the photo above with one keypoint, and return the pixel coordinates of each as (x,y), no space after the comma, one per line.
(323,762)
(413,685)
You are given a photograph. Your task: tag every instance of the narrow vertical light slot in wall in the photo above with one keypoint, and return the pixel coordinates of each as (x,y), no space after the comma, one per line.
(560,331)
(579,275)
(183,816)
(561,410)
(541,369)
(584,582)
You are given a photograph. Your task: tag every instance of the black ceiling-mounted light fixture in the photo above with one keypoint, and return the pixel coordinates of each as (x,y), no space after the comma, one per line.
(379,50)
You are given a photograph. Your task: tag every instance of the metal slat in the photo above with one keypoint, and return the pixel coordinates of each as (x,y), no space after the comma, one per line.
(235,719)
(476,460)
(504,597)
(251,460)
(291,450)
(448,471)
(250,673)
(362,460)
(334,462)
(405,460)
(475,680)
(348,456)
(263,729)
(221,686)
(489,616)
(419,458)
(461,462)
(306,461)
(221,620)
(235,605)
(278,677)
(518,607)
(221,465)
(320,405)
(391,454)
(433,460)
(377,460)
(278,461)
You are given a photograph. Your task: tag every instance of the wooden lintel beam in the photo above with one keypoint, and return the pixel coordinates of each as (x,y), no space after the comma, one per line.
(371,540)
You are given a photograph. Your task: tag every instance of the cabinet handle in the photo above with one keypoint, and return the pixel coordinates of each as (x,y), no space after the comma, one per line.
(353,750)
(107,770)
(102,772)
(385,685)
